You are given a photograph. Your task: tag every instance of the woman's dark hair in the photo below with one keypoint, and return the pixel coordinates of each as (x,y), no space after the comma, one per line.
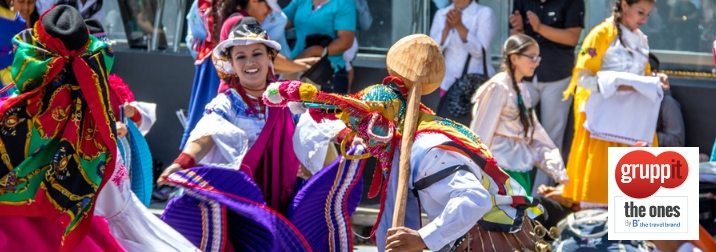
(224,9)
(34,17)
(619,15)
(519,44)
(4,3)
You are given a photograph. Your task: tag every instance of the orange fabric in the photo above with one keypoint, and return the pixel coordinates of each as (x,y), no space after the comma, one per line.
(706,242)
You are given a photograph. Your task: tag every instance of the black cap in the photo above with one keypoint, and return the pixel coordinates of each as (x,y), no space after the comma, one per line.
(248,25)
(65,23)
(94,26)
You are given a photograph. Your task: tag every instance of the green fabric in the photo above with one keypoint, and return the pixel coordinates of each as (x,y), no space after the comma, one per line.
(523,178)
(57,137)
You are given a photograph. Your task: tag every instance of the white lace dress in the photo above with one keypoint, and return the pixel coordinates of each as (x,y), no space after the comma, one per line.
(131,223)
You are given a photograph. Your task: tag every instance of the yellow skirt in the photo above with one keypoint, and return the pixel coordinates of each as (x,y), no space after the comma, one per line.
(587,165)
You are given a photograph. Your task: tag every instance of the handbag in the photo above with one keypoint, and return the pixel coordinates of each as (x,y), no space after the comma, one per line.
(456,103)
(321,73)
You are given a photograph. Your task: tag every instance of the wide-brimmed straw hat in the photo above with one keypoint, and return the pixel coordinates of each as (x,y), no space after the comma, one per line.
(248,31)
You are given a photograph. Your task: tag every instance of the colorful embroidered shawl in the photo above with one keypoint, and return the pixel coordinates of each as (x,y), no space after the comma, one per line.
(57,137)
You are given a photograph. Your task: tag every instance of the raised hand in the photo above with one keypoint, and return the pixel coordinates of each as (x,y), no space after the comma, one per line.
(516,21)
(534,21)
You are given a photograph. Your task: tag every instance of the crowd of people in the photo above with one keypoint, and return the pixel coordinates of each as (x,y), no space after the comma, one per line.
(270,165)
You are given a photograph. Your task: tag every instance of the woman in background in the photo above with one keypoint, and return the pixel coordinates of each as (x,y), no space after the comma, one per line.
(463,28)
(612,82)
(334,23)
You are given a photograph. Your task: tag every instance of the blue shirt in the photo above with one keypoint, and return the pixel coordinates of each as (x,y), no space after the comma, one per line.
(332,16)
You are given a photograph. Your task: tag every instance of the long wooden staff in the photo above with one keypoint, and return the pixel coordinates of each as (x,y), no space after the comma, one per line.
(417,60)
(406,144)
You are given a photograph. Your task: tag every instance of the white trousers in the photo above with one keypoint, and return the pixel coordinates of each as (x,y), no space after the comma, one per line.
(554,113)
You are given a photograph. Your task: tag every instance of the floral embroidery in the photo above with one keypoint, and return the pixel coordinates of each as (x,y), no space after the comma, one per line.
(120,175)
(591,51)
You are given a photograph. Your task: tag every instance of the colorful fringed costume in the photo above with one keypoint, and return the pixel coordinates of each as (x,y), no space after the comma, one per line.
(376,114)
(57,138)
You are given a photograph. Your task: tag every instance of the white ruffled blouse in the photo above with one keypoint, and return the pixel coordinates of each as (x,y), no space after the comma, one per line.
(496,121)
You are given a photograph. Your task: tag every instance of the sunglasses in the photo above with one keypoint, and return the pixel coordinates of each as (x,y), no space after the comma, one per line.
(533,58)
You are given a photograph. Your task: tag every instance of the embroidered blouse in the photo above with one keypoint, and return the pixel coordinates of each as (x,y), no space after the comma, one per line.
(624,64)
(233,127)
(496,121)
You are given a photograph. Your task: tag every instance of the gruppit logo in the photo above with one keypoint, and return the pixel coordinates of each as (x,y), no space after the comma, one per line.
(653,193)
(640,174)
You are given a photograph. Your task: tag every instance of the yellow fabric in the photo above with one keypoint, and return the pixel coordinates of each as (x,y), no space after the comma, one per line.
(587,166)
(7,13)
(6,76)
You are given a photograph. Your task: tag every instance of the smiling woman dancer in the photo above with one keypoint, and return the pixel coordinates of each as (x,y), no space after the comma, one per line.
(262,206)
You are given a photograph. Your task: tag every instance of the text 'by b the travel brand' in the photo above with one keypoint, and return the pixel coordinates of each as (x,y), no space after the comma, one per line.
(653,193)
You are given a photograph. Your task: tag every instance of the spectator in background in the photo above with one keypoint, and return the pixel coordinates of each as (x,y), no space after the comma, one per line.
(670,126)
(274,24)
(27,10)
(87,8)
(556,25)
(684,19)
(333,18)
(11,24)
(463,28)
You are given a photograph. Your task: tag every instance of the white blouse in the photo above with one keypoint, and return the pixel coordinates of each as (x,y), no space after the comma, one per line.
(609,110)
(480,22)
(496,121)
(229,122)
(234,129)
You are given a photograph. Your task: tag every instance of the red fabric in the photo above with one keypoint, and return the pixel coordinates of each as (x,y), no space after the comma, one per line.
(119,93)
(230,22)
(41,234)
(203,48)
(271,161)
(185,161)
(136,117)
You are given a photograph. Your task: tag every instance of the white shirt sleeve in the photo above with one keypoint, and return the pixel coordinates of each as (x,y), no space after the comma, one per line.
(230,141)
(480,33)
(99,15)
(436,29)
(455,203)
(149,115)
